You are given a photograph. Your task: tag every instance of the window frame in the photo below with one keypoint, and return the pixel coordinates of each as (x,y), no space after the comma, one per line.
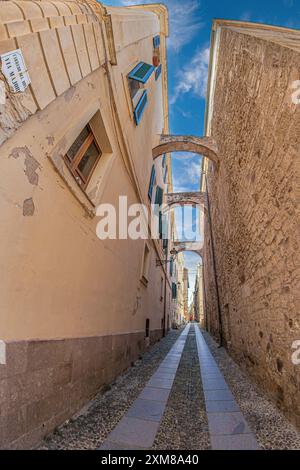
(142,101)
(145,265)
(151,183)
(73,164)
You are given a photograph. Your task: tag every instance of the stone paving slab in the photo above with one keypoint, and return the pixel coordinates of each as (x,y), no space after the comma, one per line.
(146,409)
(164,375)
(160,383)
(221,406)
(227,423)
(138,428)
(214,384)
(218,395)
(134,432)
(236,442)
(155,394)
(227,427)
(110,445)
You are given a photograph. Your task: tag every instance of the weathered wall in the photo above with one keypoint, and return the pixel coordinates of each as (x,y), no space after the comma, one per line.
(45,382)
(255,217)
(60,284)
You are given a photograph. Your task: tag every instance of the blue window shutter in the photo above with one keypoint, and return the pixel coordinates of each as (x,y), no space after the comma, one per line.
(157,72)
(141,72)
(156,41)
(151,184)
(160,225)
(163,160)
(171,266)
(159,195)
(140,107)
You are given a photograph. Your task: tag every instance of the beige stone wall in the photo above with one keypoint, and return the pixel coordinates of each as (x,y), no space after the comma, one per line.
(255,212)
(46,382)
(62,280)
(60,284)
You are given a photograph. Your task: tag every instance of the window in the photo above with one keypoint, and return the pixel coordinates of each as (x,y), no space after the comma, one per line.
(161,289)
(136,81)
(147,327)
(174,291)
(140,108)
(171,266)
(159,195)
(156,53)
(159,201)
(158,72)
(156,42)
(82,156)
(145,268)
(151,184)
(141,72)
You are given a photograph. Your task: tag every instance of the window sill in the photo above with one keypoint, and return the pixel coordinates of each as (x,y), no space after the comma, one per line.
(144,281)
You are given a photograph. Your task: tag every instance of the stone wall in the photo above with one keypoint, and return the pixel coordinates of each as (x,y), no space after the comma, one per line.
(45,382)
(255,218)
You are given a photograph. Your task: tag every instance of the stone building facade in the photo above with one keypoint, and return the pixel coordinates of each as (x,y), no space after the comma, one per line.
(254,204)
(198,295)
(75,311)
(186,294)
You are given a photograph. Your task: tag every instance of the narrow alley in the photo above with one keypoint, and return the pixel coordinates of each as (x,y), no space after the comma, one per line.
(166,401)
(150,226)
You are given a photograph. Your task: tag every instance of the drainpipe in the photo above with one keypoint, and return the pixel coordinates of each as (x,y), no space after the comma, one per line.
(165,294)
(214,268)
(204,299)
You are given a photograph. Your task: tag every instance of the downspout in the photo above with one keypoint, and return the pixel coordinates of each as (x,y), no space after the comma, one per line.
(214,268)
(165,296)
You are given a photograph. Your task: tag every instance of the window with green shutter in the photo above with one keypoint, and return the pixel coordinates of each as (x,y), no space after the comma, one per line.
(159,195)
(140,108)
(171,266)
(174,291)
(151,184)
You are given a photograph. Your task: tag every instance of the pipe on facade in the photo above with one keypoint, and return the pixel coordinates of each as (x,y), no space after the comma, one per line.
(214,267)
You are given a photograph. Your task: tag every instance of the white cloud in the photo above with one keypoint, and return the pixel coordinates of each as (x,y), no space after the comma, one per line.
(179,156)
(246,16)
(184,20)
(193,77)
(186,172)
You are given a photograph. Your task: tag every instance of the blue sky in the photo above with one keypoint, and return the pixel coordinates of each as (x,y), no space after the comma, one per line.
(188,52)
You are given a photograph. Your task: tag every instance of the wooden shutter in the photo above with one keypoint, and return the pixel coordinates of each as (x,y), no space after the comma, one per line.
(156,41)
(140,108)
(152,181)
(141,72)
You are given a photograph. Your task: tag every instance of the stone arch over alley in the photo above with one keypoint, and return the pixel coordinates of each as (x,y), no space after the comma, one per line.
(100,340)
(205,146)
(180,199)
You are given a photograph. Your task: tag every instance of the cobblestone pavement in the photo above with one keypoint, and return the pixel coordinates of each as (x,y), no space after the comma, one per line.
(89,429)
(271,428)
(184,424)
